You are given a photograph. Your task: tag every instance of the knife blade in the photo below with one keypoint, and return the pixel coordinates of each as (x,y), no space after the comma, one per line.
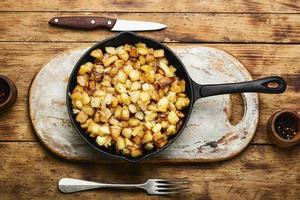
(90,23)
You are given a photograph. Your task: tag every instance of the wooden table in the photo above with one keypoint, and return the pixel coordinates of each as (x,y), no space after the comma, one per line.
(264,35)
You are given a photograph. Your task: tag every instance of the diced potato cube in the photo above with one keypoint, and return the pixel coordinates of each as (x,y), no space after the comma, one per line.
(108,99)
(99,93)
(142,60)
(88,110)
(182,102)
(101,140)
(159,53)
(104,130)
(118,112)
(172,118)
(132,108)
(172,97)
(142,51)
(133,122)
(95,102)
(124,56)
(171,130)
(85,99)
(126,132)
(157,128)
(128,142)
(82,80)
(113,121)
(149,146)
(161,143)
(150,58)
(134,96)
(151,116)
(147,68)
(175,88)
(165,81)
(122,76)
(81,117)
(111,50)
(78,104)
(97,53)
(148,78)
(135,152)
(164,124)
(139,115)
(127,69)
(125,151)
(155,95)
(167,70)
(162,104)
(120,88)
(145,96)
(76,95)
(133,52)
(114,102)
(146,86)
(86,68)
(137,140)
(134,75)
(157,136)
(115,131)
(108,61)
(149,124)
(135,85)
(120,143)
(125,113)
(125,98)
(138,131)
(147,137)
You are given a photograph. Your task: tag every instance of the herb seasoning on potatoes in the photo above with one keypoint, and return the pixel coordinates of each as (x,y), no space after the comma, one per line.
(129,98)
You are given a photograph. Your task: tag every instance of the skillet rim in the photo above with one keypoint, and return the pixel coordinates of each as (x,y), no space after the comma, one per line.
(83,134)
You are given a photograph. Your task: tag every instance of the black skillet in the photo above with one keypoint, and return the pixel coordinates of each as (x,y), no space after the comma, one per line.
(193,90)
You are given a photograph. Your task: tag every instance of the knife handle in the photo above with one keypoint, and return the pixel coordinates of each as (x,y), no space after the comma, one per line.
(83,23)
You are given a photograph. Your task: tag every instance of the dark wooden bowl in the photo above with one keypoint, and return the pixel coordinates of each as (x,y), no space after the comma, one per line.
(275,137)
(10,90)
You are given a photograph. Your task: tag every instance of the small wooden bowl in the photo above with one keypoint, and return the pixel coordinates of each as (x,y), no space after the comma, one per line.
(9,89)
(275,137)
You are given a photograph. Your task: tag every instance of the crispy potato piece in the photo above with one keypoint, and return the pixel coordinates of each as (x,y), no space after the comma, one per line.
(159,53)
(81,117)
(97,53)
(129,97)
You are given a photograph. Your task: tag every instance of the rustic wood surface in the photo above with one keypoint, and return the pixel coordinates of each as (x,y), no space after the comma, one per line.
(263,35)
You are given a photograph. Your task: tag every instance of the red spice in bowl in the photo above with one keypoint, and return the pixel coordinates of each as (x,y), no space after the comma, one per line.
(8,93)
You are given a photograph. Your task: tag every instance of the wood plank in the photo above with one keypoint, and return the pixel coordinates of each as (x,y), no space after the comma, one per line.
(21,61)
(260,172)
(287,6)
(225,28)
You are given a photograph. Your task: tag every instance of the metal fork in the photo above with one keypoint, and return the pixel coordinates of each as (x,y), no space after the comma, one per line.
(151,186)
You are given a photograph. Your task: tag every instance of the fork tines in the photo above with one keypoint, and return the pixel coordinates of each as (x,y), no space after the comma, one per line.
(164,186)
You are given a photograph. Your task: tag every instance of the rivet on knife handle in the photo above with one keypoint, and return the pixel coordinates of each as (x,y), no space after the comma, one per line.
(84,23)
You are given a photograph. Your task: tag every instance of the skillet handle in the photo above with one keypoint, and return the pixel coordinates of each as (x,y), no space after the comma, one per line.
(261,85)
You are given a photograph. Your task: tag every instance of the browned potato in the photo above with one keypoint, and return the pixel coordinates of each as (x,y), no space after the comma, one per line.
(129,98)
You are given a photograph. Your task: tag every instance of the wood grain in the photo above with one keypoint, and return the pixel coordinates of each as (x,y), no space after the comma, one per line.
(20,61)
(289,6)
(261,172)
(193,27)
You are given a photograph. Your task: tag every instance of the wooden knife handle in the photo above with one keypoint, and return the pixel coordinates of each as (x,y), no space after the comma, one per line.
(84,23)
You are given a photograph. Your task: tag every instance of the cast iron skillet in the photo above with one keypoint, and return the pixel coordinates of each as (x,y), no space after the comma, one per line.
(193,90)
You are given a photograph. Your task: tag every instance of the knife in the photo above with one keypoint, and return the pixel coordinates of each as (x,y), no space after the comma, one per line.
(90,23)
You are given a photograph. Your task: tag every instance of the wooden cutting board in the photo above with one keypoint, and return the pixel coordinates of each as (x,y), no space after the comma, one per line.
(208,137)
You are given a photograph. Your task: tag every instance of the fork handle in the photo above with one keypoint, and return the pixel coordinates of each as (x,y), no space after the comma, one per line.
(70,185)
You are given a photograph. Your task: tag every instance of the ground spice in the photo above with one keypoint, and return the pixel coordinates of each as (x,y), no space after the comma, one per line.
(286,126)
(4,91)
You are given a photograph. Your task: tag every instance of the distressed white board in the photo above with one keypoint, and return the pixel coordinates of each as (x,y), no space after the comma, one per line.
(208,137)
